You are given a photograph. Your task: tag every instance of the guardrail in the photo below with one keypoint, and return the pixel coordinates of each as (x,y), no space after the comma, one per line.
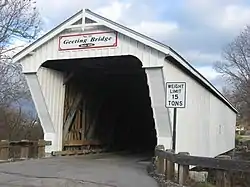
(24,149)
(224,167)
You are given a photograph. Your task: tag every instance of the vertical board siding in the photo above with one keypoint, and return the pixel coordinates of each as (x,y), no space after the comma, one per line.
(51,83)
(38,98)
(126,46)
(161,115)
(222,126)
(204,128)
(198,124)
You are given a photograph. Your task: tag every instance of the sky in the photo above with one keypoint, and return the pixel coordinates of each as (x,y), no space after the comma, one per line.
(197,29)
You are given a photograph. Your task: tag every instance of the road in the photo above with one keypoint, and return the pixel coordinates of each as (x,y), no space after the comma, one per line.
(107,170)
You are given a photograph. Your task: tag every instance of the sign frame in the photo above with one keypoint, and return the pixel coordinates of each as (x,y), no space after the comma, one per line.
(91,46)
(185,94)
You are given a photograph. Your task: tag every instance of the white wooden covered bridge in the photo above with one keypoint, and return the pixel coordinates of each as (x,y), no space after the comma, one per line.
(92,79)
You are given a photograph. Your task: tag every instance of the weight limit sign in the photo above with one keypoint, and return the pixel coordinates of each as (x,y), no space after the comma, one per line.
(175,98)
(176,95)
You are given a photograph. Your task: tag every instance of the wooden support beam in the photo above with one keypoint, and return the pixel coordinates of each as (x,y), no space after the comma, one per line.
(41,148)
(68,78)
(183,171)
(71,115)
(206,162)
(223,178)
(83,122)
(4,149)
(169,169)
(25,149)
(72,143)
(160,165)
(160,161)
(77,152)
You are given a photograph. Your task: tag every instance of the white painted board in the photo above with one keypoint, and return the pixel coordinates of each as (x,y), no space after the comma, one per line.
(175,95)
(87,40)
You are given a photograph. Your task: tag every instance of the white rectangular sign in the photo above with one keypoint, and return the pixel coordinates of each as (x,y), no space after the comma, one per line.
(87,40)
(176,95)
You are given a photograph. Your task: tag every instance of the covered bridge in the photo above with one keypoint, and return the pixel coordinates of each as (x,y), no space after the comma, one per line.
(92,79)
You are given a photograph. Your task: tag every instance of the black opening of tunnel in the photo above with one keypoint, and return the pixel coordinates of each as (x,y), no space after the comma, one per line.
(118,85)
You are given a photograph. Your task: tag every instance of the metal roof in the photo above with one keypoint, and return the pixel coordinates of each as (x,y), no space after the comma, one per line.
(130,33)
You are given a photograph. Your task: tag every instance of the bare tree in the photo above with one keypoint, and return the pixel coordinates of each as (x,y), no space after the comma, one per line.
(20,125)
(12,84)
(19,20)
(236,70)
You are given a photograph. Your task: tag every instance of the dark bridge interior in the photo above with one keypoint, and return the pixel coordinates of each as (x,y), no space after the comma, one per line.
(118,105)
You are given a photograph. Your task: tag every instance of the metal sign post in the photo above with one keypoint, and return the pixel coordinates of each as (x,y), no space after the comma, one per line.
(175,98)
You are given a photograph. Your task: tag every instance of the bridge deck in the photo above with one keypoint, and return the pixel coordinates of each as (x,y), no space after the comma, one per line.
(108,170)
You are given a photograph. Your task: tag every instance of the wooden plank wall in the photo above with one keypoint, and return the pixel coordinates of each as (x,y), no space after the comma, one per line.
(80,134)
(75,130)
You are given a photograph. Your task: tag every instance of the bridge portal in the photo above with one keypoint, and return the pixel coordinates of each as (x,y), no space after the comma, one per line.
(106,104)
(94,81)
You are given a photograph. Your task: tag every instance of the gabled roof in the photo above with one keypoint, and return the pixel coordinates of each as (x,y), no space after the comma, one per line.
(130,33)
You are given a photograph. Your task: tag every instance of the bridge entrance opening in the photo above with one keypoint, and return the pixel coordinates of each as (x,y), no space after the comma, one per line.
(107,104)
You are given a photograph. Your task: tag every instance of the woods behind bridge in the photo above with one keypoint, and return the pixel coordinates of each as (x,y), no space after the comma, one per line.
(235,69)
(19,23)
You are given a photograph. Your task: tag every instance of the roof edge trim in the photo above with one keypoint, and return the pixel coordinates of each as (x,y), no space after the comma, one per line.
(161,47)
(46,37)
(214,91)
(125,31)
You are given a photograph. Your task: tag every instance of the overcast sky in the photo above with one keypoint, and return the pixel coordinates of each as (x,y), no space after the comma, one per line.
(197,29)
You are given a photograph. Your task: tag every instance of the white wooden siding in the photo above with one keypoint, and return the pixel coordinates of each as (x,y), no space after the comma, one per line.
(205,127)
(51,84)
(51,81)
(126,46)
(161,114)
(198,123)
(222,127)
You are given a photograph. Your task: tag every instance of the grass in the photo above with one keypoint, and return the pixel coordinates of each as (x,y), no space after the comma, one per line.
(238,138)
